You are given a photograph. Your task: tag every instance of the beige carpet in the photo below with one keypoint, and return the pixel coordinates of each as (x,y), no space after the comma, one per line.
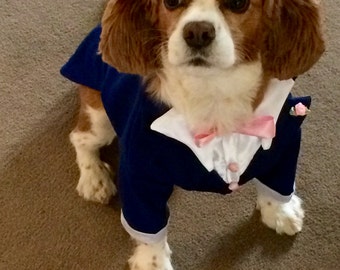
(45,225)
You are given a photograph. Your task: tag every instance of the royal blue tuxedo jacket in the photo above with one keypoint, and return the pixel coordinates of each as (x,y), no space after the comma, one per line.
(151,164)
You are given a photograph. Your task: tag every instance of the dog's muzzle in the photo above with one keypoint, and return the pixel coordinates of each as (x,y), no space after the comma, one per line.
(198,36)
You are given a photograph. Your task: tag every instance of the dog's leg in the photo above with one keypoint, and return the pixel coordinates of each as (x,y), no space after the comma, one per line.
(151,257)
(283,217)
(92,132)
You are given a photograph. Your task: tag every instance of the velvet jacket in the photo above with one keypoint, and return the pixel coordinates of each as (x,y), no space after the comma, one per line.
(151,164)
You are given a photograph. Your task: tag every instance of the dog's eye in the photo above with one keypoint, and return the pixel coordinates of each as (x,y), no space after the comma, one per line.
(237,6)
(172,4)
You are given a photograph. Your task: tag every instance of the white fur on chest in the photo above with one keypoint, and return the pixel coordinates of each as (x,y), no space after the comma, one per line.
(212,98)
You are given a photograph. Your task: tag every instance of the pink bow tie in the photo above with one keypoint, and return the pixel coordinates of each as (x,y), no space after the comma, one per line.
(259,126)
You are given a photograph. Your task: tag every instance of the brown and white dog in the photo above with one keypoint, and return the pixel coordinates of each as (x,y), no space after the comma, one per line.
(212,61)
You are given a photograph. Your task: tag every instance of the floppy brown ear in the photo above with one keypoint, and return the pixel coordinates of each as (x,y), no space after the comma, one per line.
(293,39)
(129,39)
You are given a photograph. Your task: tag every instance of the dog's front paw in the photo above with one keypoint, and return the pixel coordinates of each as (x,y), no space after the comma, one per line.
(151,257)
(95,182)
(282,217)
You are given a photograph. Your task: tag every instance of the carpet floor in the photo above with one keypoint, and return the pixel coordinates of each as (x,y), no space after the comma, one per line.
(45,225)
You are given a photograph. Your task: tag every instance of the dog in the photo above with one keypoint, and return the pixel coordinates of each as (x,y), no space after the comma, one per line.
(198,94)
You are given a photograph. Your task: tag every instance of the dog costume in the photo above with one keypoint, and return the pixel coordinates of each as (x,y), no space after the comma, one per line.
(158,152)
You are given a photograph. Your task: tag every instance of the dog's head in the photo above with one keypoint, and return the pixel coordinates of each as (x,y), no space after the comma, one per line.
(141,36)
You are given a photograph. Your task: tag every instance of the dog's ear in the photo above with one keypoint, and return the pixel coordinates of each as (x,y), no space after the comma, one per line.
(293,39)
(129,39)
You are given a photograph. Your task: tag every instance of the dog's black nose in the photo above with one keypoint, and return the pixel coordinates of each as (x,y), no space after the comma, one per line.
(199,34)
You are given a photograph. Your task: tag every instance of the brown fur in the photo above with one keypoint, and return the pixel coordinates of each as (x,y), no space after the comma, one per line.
(288,35)
(246,30)
(293,39)
(88,97)
(129,39)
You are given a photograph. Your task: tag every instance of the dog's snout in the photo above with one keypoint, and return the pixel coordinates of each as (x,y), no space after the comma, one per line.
(199,34)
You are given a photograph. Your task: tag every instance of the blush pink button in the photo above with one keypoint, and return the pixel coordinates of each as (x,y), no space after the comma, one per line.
(233,167)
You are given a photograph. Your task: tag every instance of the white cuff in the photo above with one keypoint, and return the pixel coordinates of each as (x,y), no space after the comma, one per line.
(146,238)
(266,191)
